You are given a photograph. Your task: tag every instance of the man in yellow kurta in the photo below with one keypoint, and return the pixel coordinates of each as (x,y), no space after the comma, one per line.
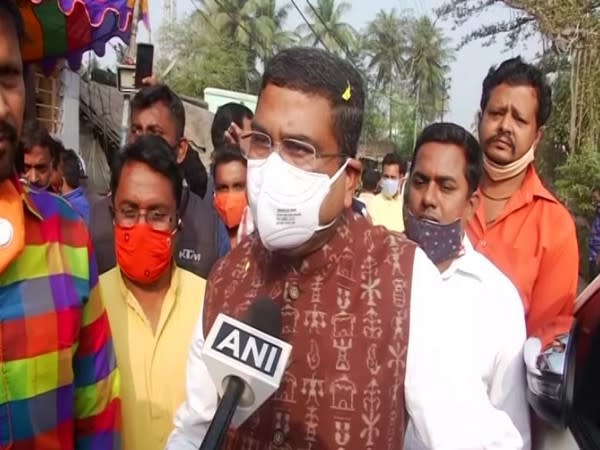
(152,304)
(386,207)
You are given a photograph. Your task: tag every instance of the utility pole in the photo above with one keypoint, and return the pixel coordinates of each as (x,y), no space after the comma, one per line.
(131,53)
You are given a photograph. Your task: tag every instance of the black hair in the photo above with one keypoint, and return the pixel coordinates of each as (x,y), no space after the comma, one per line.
(230,112)
(151,95)
(317,72)
(71,168)
(226,154)
(36,136)
(194,172)
(393,159)
(370,180)
(450,133)
(157,154)
(515,72)
(10,9)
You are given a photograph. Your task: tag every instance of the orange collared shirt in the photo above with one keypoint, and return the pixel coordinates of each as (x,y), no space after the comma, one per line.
(533,241)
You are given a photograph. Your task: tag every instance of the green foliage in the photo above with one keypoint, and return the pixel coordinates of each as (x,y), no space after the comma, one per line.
(408,62)
(520,26)
(404,59)
(576,180)
(215,61)
(222,44)
(429,56)
(386,47)
(375,120)
(405,133)
(553,150)
(326,28)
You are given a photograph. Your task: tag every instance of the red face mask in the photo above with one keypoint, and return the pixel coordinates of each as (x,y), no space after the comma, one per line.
(230,206)
(143,254)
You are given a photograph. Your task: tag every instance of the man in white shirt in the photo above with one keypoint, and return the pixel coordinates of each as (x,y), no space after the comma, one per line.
(485,307)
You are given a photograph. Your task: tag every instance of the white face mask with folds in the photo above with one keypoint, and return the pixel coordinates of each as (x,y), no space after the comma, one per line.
(389,188)
(285,201)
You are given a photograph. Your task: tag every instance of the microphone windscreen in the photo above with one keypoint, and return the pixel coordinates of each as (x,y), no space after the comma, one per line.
(265,315)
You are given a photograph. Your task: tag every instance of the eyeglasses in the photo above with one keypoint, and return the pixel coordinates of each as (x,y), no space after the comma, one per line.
(158,219)
(297,153)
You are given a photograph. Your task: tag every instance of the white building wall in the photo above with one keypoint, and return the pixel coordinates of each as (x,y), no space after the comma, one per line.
(70,110)
(218,97)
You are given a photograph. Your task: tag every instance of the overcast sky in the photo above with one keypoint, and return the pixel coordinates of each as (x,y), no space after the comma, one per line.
(468,71)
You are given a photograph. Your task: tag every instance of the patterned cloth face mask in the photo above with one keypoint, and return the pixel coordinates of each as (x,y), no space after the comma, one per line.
(440,242)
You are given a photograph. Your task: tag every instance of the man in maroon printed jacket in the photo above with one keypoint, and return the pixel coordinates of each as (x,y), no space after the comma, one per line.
(348,290)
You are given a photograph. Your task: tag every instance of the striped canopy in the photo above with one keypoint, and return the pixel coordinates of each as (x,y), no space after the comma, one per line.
(58,29)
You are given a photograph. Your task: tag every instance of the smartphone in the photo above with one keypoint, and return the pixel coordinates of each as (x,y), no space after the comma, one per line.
(143,63)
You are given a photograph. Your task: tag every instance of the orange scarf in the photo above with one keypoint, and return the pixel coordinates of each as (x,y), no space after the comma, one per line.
(12,224)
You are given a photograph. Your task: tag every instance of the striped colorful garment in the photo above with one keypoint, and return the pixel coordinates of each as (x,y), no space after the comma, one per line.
(58,379)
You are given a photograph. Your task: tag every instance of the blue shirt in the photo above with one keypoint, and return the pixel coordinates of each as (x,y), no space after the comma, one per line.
(79,202)
(223,243)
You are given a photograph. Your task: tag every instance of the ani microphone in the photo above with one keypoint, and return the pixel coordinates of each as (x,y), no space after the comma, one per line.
(246,362)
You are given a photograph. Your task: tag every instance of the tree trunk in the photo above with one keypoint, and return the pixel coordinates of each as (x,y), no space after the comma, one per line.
(417,105)
(584,130)
(574,89)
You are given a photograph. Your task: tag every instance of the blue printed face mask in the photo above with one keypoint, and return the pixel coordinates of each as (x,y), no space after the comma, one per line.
(440,242)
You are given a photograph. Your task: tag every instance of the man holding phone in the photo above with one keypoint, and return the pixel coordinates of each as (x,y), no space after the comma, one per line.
(143,64)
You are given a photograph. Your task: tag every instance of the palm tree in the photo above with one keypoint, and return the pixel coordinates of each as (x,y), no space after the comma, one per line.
(386,48)
(228,21)
(429,56)
(268,28)
(211,59)
(228,16)
(254,25)
(326,28)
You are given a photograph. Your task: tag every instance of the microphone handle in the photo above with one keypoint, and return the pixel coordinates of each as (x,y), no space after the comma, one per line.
(213,440)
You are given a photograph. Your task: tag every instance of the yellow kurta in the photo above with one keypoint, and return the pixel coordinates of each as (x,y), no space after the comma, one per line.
(152,365)
(366,198)
(387,212)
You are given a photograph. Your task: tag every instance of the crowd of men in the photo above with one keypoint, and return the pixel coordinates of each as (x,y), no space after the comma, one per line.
(408,306)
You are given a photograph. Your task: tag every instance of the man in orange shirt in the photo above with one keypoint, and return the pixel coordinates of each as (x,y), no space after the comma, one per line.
(519,225)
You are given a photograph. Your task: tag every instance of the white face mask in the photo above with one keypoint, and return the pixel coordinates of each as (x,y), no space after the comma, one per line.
(285,201)
(389,187)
